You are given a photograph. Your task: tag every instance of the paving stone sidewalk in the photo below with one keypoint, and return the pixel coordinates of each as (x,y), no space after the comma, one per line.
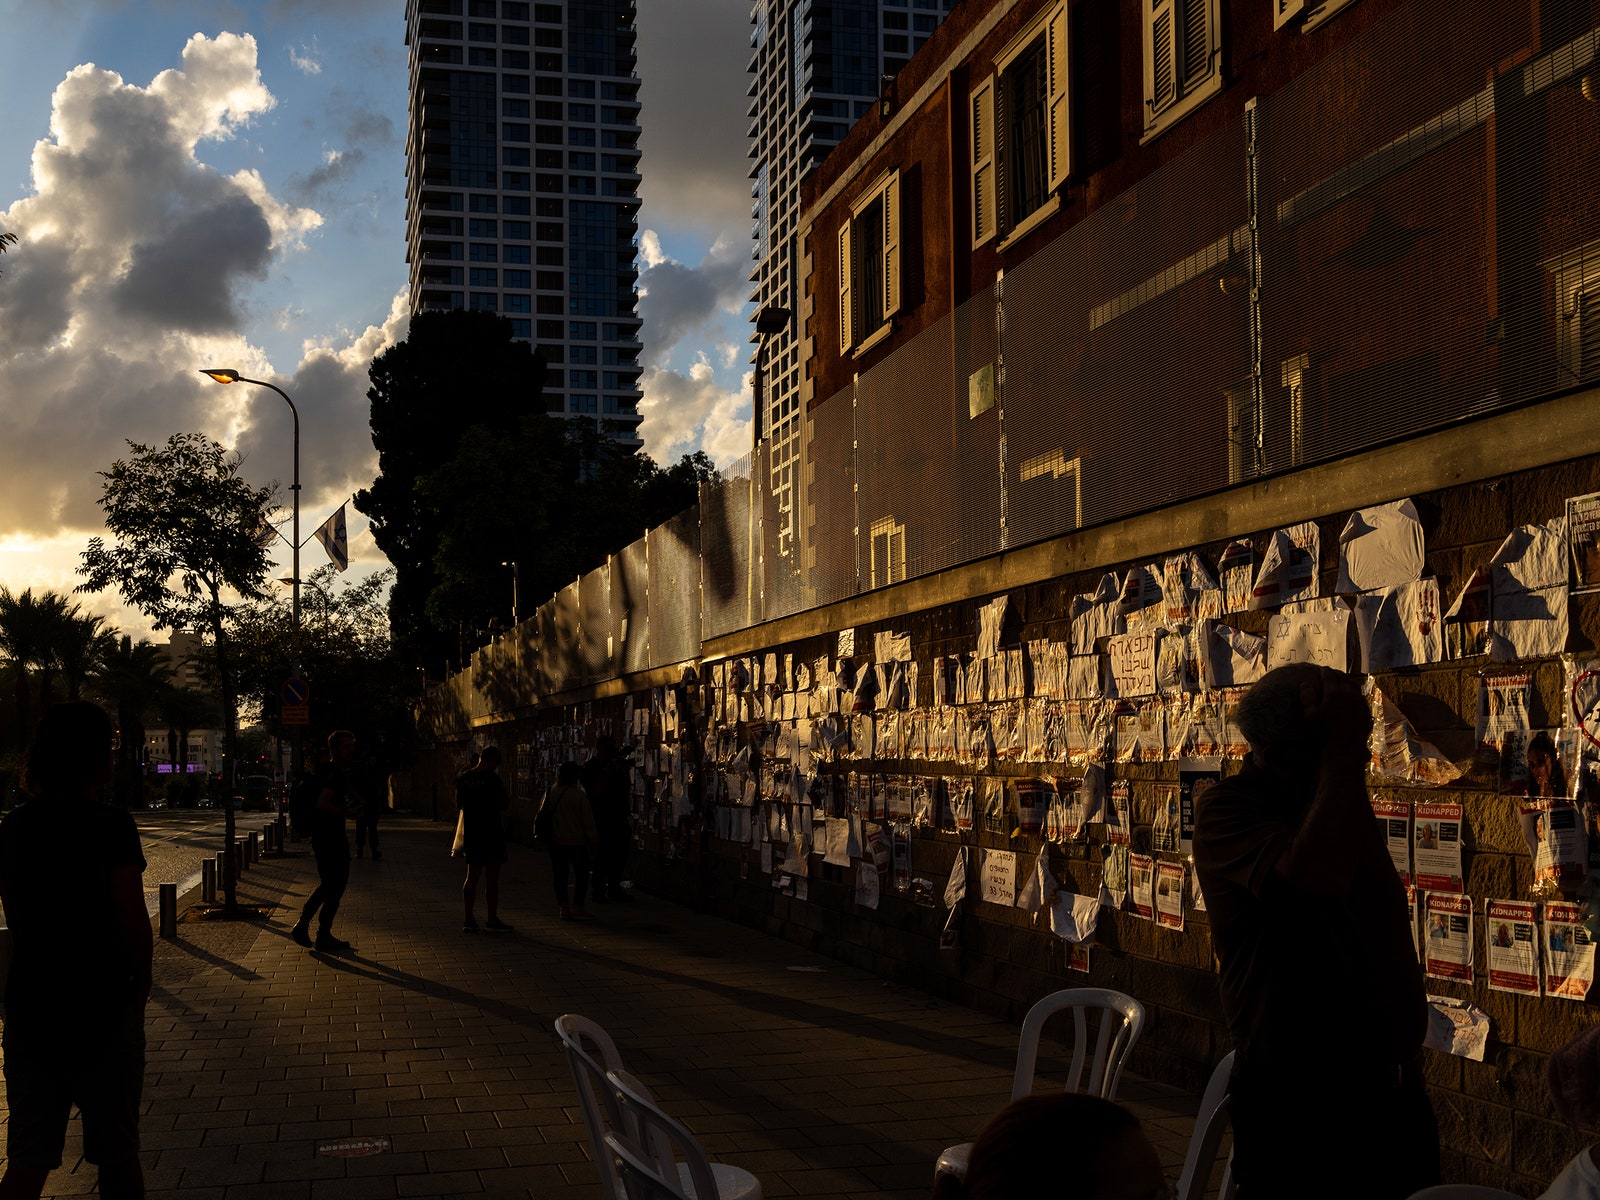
(821,1079)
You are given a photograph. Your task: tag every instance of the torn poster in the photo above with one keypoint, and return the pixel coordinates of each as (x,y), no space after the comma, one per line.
(1231,657)
(1095,616)
(1512,930)
(999,874)
(1456,1027)
(1398,753)
(1528,580)
(1131,665)
(1569,951)
(1064,819)
(1141,882)
(1400,627)
(1467,621)
(1380,548)
(1236,568)
(846,647)
(1140,734)
(1558,842)
(1140,602)
(1394,822)
(1436,846)
(1503,728)
(1119,828)
(1073,917)
(1288,568)
(1447,936)
(991,617)
(1083,677)
(891,647)
(1319,638)
(1038,891)
(1189,591)
(1114,875)
(1165,830)
(956,886)
(1169,895)
(1583,535)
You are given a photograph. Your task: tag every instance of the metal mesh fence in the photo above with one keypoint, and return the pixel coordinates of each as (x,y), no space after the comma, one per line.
(1425,247)
(594,615)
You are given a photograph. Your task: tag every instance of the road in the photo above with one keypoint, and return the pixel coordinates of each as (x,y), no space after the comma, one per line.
(176,841)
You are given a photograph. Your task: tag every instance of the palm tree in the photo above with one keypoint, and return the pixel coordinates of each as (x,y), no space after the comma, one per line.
(7,240)
(131,678)
(28,625)
(185,710)
(79,645)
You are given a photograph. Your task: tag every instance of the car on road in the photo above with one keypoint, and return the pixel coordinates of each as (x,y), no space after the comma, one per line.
(257,792)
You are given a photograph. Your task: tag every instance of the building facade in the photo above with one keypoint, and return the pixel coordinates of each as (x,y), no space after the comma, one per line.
(522,180)
(816,67)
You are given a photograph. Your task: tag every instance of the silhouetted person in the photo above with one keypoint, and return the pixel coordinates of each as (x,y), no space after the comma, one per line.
(1320,982)
(374,795)
(80,960)
(605,779)
(337,800)
(572,838)
(482,799)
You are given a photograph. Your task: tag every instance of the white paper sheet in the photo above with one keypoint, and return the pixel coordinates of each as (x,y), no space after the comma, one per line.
(867,885)
(1232,657)
(1400,627)
(1319,638)
(1073,917)
(891,647)
(1131,665)
(956,886)
(999,873)
(1528,579)
(1141,602)
(1095,616)
(1380,548)
(1456,1027)
(1289,567)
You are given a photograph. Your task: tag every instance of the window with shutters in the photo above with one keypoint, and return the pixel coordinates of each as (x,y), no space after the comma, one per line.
(1309,13)
(1577,280)
(870,266)
(1021,131)
(1182,60)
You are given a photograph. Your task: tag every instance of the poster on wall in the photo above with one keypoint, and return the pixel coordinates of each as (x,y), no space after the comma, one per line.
(1095,616)
(1528,584)
(1394,822)
(1169,895)
(998,870)
(1380,548)
(1196,777)
(1320,638)
(1558,841)
(1118,824)
(1114,869)
(1288,568)
(1447,936)
(1141,882)
(1503,729)
(1583,537)
(1165,830)
(1436,846)
(1400,627)
(1568,951)
(1236,568)
(1512,931)
(1131,665)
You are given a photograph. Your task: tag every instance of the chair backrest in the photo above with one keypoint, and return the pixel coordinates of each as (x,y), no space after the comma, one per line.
(1462,1191)
(1121,1022)
(1210,1123)
(656,1139)
(596,1097)
(640,1178)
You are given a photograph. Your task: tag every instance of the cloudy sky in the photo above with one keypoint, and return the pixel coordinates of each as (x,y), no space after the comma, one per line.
(222,184)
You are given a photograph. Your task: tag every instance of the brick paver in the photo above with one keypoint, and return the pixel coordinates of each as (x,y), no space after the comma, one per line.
(824,1081)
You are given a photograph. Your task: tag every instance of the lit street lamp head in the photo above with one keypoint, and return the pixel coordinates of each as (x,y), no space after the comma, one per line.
(221,374)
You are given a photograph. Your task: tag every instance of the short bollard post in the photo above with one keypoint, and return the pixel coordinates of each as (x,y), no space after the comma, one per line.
(222,867)
(236,857)
(169,911)
(252,848)
(208,881)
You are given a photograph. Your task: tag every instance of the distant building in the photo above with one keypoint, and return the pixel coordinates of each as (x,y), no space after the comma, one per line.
(522,181)
(205,746)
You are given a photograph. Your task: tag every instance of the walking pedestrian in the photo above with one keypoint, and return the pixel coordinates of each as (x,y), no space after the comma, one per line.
(80,961)
(1320,982)
(482,800)
(338,799)
(572,837)
(374,792)
(605,779)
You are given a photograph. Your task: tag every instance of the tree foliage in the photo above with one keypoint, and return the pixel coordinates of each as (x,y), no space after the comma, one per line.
(130,678)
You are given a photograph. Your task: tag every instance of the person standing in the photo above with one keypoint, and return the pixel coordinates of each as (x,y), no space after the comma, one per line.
(80,961)
(481,797)
(1320,982)
(605,779)
(572,836)
(337,800)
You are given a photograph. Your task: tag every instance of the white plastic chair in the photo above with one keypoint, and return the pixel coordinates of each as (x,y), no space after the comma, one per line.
(657,1158)
(1463,1191)
(601,1108)
(1210,1123)
(1121,1022)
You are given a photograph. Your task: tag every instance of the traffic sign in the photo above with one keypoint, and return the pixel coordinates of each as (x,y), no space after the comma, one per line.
(294,714)
(295,691)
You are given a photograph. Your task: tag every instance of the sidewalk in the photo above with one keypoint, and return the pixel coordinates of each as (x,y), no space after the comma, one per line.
(822,1080)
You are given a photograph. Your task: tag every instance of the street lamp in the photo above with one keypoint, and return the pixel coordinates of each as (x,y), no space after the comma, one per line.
(514,617)
(769,320)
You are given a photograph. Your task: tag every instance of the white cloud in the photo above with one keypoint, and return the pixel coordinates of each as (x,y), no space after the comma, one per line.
(650,251)
(686,411)
(680,302)
(304,59)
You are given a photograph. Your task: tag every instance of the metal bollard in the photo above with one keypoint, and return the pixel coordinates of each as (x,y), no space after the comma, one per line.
(169,911)
(208,881)
(222,867)
(252,848)
(236,858)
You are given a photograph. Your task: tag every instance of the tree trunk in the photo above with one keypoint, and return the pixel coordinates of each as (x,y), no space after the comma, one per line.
(230,736)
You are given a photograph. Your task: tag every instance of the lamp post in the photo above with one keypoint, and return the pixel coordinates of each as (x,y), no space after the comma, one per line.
(769,320)
(515,618)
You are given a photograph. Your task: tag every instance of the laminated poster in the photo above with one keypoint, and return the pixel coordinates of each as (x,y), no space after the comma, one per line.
(866,885)
(1095,616)
(1394,821)
(1073,918)
(846,647)
(1118,826)
(1447,936)
(1236,568)
(1140,601)
(1078,957)
(1398,753)
(1202,736)
(1569,951)
(1380,548)
(1456,1027)
(1196,777)
(1114,869)
(1318,637)
(955,887)
(1528,584)
(1169,895)
(1189,591)
(999,873)
(1131,665)
(961,803)
(1196,896)
(1176,668)
(1231,657)
(1436,846)
(1288,568)
(991,617)
(1166,829)
(1583,534)
(1033,802)
(1094,792)
(1064,819)
(1233,740)
(1141,881)
(1503,729)
(1084,677)
(1512,931)
(1559,844)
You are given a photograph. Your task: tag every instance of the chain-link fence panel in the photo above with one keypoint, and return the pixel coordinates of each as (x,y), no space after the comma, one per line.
(594,603)
(630,606)
(674,592)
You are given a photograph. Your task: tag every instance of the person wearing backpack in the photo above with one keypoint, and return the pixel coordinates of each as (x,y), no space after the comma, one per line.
(567,816)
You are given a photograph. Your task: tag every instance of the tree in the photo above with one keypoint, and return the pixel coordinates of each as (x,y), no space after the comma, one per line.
(7,240)
(130,679)
(184,710)
(80,644)
(28,626)
(185,550)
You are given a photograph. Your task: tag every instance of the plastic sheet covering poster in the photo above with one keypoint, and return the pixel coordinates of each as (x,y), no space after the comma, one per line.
(1456,1027)
(1394,822)
(1114,868)
(1039,886)
(1095,616)
(991,617)
(961,803)
(1169,895)
(1583,535)
(1568,951)
(1141,731)
(1528,581)
(1064,818)
(1447,936)
(1400,627)
(1230,657)
(1466,621)
(1131,665)
(1380,548)
(1202,736)
(998,871)
(891,647)
(846,647)
(902,857)
(1288,568)
(1073,917)
(1236,569)
(1436,846)
(1094,792)
(955,887)
(1176,667)
(867,885)
(1398,753)
(1559,844)
(1190,593)
(1140,602)
(1233,740)
(1503,729)
(1118,825)
(1165,829)
(1078,957)
(1512,931)
(1141,882)
(1033,803)
(1317,637)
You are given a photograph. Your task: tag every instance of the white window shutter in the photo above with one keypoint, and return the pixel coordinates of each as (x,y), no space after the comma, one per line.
(984,214)
(1285,11)
(1195,41)
(891,245)
(1059,113)
(1160,66)
(846,296)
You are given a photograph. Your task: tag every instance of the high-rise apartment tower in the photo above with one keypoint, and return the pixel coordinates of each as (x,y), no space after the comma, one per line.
(815,67)
(522,185)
